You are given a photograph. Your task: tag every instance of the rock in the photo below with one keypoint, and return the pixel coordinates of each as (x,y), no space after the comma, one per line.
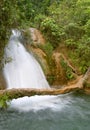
(41,58)
(34,39)
(36,36)
(2,81)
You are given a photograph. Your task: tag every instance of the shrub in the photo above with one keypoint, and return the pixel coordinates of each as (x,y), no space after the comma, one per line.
(87,27)
(48,49)
(52,30)
(74,31)
(70,43)
(3,101)
(67,69)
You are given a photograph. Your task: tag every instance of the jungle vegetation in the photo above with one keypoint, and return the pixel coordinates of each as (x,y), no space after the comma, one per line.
(62,22)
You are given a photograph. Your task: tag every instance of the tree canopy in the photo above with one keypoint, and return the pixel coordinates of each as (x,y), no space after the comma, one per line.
(61,21)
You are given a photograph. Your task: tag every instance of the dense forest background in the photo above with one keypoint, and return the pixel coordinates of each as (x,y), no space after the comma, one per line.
(62,22)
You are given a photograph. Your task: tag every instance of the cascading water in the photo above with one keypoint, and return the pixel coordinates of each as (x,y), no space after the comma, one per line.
(23,71)
(63,112)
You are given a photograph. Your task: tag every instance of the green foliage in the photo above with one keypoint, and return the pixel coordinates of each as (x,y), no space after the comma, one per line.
(52,30)
(8,20)
(83,52)
(64,21)
(87,28)
(82,13)
(19,14)
(48,49)
(63,12)
(67,69)
(38,20)
(70,43)
(51,78)
(3,101)
(74,16)
(74,31)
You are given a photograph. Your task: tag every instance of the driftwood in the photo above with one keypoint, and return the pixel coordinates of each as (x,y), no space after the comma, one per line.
(21,92)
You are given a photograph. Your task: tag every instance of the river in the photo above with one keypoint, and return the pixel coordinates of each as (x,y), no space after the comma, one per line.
(62,112)
(73,113)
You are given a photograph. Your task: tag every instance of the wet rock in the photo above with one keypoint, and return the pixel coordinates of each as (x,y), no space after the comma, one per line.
(2,81)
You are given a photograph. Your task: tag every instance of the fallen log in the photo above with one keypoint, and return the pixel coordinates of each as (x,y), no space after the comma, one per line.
(17,93)
(21,92)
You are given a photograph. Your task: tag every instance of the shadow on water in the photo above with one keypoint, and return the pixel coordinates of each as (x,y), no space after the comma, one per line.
(74,115)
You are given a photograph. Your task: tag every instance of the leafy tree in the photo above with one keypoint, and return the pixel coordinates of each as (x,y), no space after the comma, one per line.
(9,18)
(82,13)
(62,22)
(73,16)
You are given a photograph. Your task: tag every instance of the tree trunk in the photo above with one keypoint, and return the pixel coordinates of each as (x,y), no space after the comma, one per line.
(21,92)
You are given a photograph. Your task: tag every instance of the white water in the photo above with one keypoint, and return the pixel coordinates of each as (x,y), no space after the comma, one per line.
(23,71)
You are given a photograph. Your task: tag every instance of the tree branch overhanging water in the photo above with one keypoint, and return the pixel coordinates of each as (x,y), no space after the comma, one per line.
(21,92)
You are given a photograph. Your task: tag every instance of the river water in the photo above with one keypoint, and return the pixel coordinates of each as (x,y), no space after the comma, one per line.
(63,112)
(73,113)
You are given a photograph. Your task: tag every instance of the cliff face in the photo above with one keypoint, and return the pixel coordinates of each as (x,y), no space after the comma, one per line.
(56,63)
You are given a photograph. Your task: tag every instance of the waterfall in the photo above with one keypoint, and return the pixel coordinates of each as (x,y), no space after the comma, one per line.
(21,68)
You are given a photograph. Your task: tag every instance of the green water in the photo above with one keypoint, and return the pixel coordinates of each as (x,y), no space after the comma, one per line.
(73,116)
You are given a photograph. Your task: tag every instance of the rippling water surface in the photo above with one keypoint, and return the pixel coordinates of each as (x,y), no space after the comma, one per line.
(72,112)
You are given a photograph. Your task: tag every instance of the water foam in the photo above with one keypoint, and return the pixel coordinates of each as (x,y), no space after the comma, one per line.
(36,103)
